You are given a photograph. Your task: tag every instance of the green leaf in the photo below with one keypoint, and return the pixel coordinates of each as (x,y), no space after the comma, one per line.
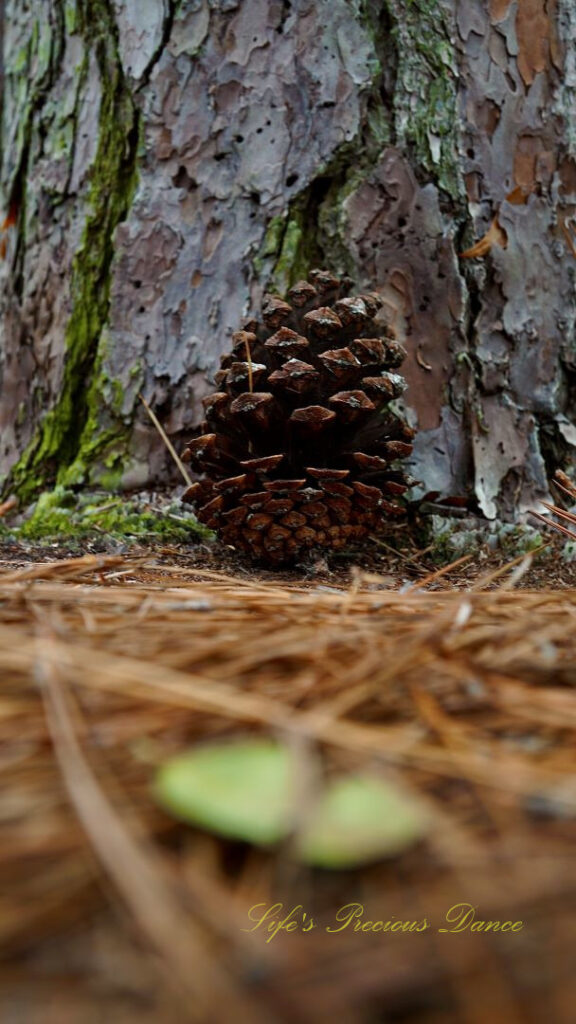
(245,790)
(360,819)
(241,790)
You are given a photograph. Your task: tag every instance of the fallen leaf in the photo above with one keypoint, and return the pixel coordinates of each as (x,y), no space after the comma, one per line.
(495,235)
(241,790)
(360,819)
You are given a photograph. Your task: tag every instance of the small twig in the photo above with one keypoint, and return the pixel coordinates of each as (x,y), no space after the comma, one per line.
(433,576)
(101,508)
(490,577)
(167,441)
(399,554)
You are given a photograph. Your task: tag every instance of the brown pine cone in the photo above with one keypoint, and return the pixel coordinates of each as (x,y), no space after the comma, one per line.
(299,449)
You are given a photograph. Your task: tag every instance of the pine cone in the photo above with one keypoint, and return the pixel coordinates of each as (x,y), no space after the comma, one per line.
(298,449)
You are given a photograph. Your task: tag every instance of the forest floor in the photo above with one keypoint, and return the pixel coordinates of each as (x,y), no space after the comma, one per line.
(457,683)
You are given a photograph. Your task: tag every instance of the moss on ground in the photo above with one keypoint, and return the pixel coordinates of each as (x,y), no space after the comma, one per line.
(63,515)
(448,539)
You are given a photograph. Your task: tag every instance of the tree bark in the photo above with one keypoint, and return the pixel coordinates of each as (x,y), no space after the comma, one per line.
(164,163)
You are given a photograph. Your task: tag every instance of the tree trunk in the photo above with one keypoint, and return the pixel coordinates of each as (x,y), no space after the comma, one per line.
(164,163)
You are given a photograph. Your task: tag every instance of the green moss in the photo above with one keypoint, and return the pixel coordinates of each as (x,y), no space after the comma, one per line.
(291,264)
(66,434)
(104,442)
(425,95)
(70,17)
(285,240)
(20,61)
(43,45)
(51,517)
(518,539)
(437,535)
(413,59)
(272,242)
(63,515)
(296,241)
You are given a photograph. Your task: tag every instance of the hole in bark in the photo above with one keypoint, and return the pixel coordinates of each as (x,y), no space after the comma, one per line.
(137,284)
(470,153)
(238,138)
(402,222)
(291,180)
(220,156)
(183,180)
(328,103)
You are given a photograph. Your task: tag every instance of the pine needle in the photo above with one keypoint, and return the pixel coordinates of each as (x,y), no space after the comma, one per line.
(111,664)
(555,526)
(184,472)
(136,870)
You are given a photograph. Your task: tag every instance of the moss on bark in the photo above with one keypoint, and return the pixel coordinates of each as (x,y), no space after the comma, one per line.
(69,433)
(412,104)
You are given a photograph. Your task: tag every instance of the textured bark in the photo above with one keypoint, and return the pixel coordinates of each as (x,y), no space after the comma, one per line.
(165,162)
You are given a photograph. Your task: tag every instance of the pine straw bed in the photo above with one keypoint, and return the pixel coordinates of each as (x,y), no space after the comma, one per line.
(111,664)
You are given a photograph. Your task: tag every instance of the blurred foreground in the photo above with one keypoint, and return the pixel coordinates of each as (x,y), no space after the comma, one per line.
(112,664)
